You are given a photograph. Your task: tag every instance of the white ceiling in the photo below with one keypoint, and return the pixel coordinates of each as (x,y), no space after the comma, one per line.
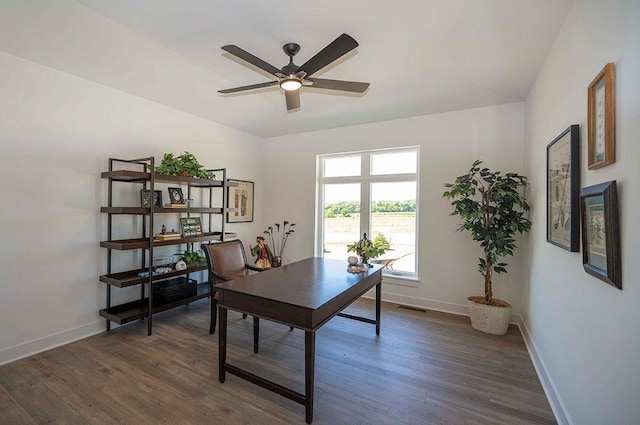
(420,56)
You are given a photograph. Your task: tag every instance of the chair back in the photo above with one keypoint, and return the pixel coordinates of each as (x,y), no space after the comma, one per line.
(226,259)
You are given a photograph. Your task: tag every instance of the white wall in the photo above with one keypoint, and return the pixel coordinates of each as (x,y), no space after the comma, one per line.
(56,133)
(584,332)
(449,143)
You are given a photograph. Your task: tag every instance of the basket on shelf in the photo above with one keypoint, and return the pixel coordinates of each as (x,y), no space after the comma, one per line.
(171,290)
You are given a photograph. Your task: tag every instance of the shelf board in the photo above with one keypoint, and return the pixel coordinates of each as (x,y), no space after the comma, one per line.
(131,278)
(141,176)
(141,243)
(136,310)
(143,210)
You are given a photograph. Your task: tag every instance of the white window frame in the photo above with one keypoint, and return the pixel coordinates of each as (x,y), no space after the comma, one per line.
(365,179)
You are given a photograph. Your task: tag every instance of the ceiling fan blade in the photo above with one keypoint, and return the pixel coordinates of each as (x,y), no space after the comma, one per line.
(248,57)
(251,87)
(293,99)
(352,86)
(336,49)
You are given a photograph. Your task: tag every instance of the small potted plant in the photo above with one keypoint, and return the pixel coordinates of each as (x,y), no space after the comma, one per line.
(191,257)
(184,165)
(493,210)
(367,249)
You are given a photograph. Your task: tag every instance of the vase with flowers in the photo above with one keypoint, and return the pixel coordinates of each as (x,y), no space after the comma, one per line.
(367,249)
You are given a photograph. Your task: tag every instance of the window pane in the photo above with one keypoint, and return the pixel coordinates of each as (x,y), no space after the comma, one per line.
(341,218)
(393,219)
(394,163)
(342,167)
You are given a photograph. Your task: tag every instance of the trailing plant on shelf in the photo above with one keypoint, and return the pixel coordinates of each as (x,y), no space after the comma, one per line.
(279,239)
(492,208)
(191,257)
(184,165)
(367,249)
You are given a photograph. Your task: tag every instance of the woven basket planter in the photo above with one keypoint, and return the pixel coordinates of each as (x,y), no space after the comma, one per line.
(490,319)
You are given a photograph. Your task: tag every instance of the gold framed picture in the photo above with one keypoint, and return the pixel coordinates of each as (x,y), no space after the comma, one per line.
(601,120)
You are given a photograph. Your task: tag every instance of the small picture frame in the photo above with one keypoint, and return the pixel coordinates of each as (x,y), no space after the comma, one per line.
(563,190)
(240,198)
(601,119)
(600,232)
(145,198)
(190,226)
(175,195)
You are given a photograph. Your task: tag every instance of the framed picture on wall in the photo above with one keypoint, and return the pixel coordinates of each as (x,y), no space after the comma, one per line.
(563,190)
(240,198)
(600,232)
(601,119)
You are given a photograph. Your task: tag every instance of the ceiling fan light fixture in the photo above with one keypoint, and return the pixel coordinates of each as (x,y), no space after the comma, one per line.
(290,83)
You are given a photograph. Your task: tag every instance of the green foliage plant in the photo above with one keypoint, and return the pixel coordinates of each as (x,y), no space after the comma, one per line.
(191,257)
(184,165)
(367,249)
(493,210)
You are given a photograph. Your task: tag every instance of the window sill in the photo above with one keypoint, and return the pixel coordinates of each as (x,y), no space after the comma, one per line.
(411,281)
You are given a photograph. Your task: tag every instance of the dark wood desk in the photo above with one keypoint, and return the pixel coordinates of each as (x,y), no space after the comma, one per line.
(305,295)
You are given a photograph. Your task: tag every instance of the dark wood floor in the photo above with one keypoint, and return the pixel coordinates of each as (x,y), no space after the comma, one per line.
(424,368)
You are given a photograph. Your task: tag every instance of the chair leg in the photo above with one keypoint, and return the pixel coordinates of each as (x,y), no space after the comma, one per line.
(256,333)
(214,315)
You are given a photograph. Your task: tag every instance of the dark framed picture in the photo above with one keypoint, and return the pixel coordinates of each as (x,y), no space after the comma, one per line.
(190,226)
(240,198)
(601,118)
(175,195)
(600,232)
(563,190)
(145,198)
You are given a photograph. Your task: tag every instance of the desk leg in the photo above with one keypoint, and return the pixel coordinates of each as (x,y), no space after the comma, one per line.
(222,342)
(309,372)
(378,296)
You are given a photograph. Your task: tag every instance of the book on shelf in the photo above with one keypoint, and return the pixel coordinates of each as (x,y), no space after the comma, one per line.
(167,236)
(175,205)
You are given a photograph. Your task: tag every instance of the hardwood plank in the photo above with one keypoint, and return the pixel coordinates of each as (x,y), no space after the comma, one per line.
(425,368)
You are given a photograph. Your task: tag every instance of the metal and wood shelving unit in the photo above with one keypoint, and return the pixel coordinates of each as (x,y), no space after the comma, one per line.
(136,171)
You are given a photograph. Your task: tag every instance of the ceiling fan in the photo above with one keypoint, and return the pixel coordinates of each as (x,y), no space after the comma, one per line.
(292,77)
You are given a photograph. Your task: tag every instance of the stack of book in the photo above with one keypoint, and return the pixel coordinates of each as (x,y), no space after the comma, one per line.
(167,236)
(175,205)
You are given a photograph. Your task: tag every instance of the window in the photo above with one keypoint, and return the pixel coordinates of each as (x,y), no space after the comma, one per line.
(373,192)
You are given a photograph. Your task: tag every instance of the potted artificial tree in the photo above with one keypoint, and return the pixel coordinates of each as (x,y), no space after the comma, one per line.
(493,209)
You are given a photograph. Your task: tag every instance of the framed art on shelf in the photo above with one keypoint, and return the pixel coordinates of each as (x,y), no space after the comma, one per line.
(600,232)
(240,198)
(601,119)
(175,195)
(190,226)
(563,190)
(145,198)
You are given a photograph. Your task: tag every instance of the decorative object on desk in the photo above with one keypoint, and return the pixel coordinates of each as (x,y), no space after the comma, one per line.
(352,260)
(357,268)
(492,208)
(563,190)
(176,196)
(145,198)
(367,249)
(263,254)
(279,240)
(601,232)
(601,119)
(190,226)
(183,165)
(240,198)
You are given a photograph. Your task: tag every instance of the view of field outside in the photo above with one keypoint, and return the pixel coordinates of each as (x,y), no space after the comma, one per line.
(393,215)
(386,181)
